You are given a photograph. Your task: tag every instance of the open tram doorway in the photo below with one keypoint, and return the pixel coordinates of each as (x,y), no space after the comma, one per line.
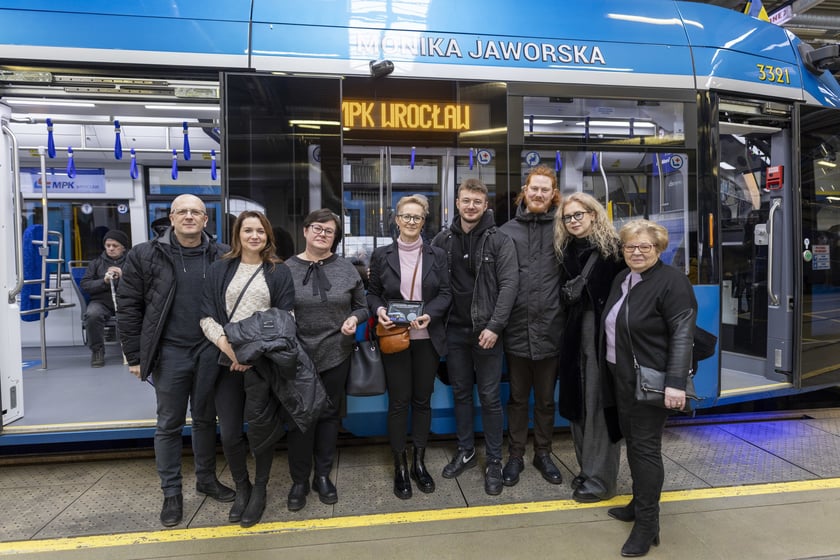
(756,197)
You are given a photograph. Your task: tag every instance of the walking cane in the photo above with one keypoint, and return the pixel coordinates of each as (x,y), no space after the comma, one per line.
(114,299)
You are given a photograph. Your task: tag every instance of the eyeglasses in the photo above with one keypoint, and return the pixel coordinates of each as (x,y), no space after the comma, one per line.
(321,230)
(577,216)
(642,247)
(411,219)
(181,212)
(472,201)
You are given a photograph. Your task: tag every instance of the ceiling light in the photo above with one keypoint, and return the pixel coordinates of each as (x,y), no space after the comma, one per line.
(625,124)
(49,102)
(299,122)
(826,163)
(727,166)
(182,107)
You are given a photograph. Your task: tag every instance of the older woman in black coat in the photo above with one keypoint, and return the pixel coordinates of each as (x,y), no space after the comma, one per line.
(650,318)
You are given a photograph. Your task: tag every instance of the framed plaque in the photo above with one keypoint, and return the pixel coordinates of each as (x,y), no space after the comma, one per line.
(402,312)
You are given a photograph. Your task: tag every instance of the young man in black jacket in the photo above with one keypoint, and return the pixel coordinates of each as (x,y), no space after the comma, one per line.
(101,272)
(484,279)
(159,299)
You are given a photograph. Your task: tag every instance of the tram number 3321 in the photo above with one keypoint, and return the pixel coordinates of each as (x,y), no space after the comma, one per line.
(776,74)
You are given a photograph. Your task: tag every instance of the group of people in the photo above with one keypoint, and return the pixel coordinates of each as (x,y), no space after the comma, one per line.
(550,284)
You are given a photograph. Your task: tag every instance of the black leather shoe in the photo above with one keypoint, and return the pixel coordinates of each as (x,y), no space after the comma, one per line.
(549,470)
(402,481)
(639,542)
(626,513)
(577,482)
(326,489)
(297,496)
(216,490)
(463,460)
(585,496)
(419,472)
(97,358)
(172,511)
(255,508)
(493,482)
(510,474)
(243,495)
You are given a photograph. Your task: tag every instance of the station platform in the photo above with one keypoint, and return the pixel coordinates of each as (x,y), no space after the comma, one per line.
(742,487)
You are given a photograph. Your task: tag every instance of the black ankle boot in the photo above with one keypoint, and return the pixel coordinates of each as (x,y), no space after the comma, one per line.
(641,537)
(243,495)
(626,513)
(255,508)
(402,482)
(419,473)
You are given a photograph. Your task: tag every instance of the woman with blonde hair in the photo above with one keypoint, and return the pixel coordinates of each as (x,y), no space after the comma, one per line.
(588,248)
(408,269)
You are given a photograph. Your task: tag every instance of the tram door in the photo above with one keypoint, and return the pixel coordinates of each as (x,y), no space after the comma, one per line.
(374,178)
(755,226)
(11,273)
(817,250)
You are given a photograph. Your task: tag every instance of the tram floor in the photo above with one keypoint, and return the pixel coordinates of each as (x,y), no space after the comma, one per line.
(747,488)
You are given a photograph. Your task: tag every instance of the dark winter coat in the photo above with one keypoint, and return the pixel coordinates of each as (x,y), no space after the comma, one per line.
(496,274)
(93,282)
(594,297)
(535,324)
(282,374)
(661,316)
(145,297)
(385,286)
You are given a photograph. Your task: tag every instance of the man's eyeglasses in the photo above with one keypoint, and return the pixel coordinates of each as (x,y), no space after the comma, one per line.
(181,212)
(577,216)
(411,219)
(472,201)
(321,230)
(642,247)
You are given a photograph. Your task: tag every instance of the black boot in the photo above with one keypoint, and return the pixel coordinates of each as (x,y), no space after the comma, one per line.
(644,534)
(255,508)
(402,482)
(419,473)
(243,495)
(626,513)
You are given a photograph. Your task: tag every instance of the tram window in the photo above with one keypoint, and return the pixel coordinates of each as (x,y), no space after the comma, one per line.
(640,122)
(82,223)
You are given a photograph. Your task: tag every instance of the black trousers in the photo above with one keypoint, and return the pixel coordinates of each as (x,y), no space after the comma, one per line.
(642,426)
(230,407)
(320,440)
(541,375)
(410,377)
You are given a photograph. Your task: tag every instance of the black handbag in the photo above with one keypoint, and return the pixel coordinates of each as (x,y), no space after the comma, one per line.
(650,382)
(572,290)
(367,374)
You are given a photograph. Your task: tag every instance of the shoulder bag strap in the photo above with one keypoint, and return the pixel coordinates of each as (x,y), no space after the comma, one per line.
(590,262)
(244,289)
(627,318)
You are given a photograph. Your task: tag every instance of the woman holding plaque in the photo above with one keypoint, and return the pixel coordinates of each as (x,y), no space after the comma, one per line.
(413,280)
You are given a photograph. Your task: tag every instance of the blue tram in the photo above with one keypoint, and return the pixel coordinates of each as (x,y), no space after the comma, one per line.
(717,125)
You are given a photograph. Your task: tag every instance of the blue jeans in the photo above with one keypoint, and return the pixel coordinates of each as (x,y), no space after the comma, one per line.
(469,364)
(182,378)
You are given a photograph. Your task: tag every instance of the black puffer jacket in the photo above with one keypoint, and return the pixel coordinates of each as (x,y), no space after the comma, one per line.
(93,282)
(145,296)
(535,324)
(282,374)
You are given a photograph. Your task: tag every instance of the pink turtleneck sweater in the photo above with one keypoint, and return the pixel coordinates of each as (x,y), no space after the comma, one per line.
(411,255)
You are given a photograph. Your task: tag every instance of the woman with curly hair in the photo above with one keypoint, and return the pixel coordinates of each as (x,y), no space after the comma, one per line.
(590,253)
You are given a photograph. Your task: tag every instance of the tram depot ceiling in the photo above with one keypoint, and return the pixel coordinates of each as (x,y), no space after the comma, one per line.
(816,22)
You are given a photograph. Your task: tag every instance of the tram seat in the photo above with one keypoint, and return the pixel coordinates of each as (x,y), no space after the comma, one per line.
(77,271)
